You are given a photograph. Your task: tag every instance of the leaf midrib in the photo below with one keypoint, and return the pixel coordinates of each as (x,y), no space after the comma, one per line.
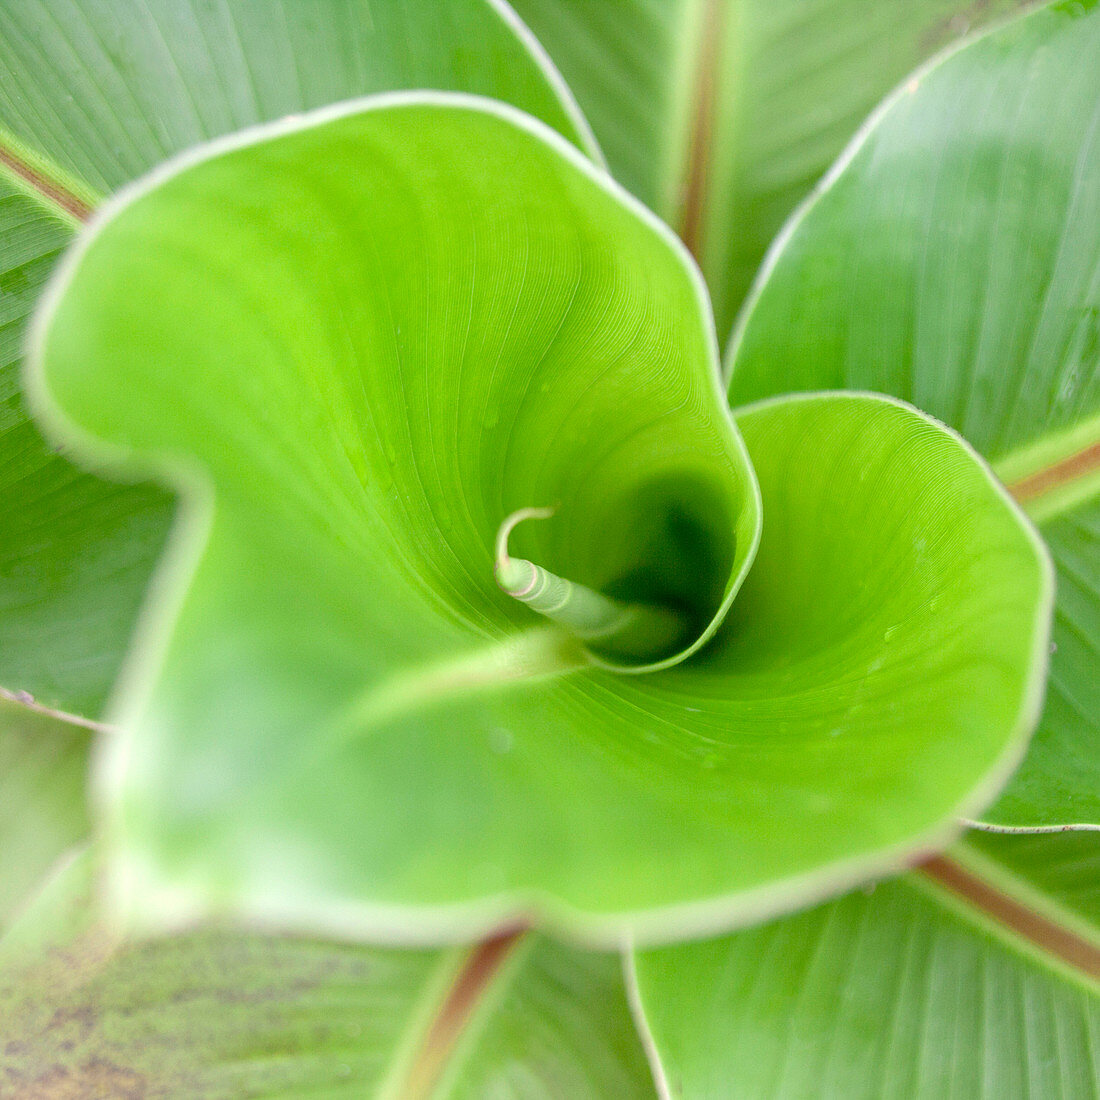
(1063,944)
(440,1036)
(1075,467)
(45,181)
(694,174)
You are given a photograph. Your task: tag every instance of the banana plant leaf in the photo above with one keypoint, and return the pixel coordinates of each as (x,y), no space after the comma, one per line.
(43,771)
(333,718)
(903,991)
(1059,872)
(721,115)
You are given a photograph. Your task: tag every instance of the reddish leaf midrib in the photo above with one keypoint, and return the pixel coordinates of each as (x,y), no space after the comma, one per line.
(469,986)
(50,189)
(1050,937)
(704,105)
(1057,475)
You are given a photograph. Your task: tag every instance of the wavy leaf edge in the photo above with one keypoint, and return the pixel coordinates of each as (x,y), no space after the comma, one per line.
(546,64)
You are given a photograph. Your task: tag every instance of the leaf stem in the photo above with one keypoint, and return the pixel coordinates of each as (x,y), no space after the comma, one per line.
(636,630)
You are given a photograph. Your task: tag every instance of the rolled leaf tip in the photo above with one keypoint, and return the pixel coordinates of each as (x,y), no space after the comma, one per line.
(629,630)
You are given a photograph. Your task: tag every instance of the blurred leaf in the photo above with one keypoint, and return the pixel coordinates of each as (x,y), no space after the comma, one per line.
(1062,869)
(722,114)
(562,1028)
(794,79)
(631,65)
(228,1015)
(107,91)
(43,763)
(886,995)
(339,711)
(952,260)
(75,552)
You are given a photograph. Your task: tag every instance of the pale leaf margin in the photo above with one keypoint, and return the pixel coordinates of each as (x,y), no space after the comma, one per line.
(546,64)
(1031,830)
(1035,693)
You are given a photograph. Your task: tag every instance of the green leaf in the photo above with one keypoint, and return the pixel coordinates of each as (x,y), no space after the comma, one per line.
(338,718)
(722,114)
(794,80)
(1058,870)
(561,1027)
(375,448)
(901,992)
(631,65)
(76,552)
(43,761)
(951,259)
(217,1013)
(1060,781)
(928,267)
(107,92)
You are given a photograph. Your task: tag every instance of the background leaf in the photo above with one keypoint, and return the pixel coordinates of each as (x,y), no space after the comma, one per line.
(1059,869)
(722,114)
(793,81)
(215,1013)
(43,763)
(952,259)
(106,91)
(76,552)
(561,1028)
(631,65)
(898,992)
(928,268)
(1061,781)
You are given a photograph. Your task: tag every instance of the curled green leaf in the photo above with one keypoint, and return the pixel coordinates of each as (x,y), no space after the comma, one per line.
(357,343)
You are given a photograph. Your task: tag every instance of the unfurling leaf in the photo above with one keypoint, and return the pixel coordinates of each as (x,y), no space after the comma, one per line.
(357,343)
